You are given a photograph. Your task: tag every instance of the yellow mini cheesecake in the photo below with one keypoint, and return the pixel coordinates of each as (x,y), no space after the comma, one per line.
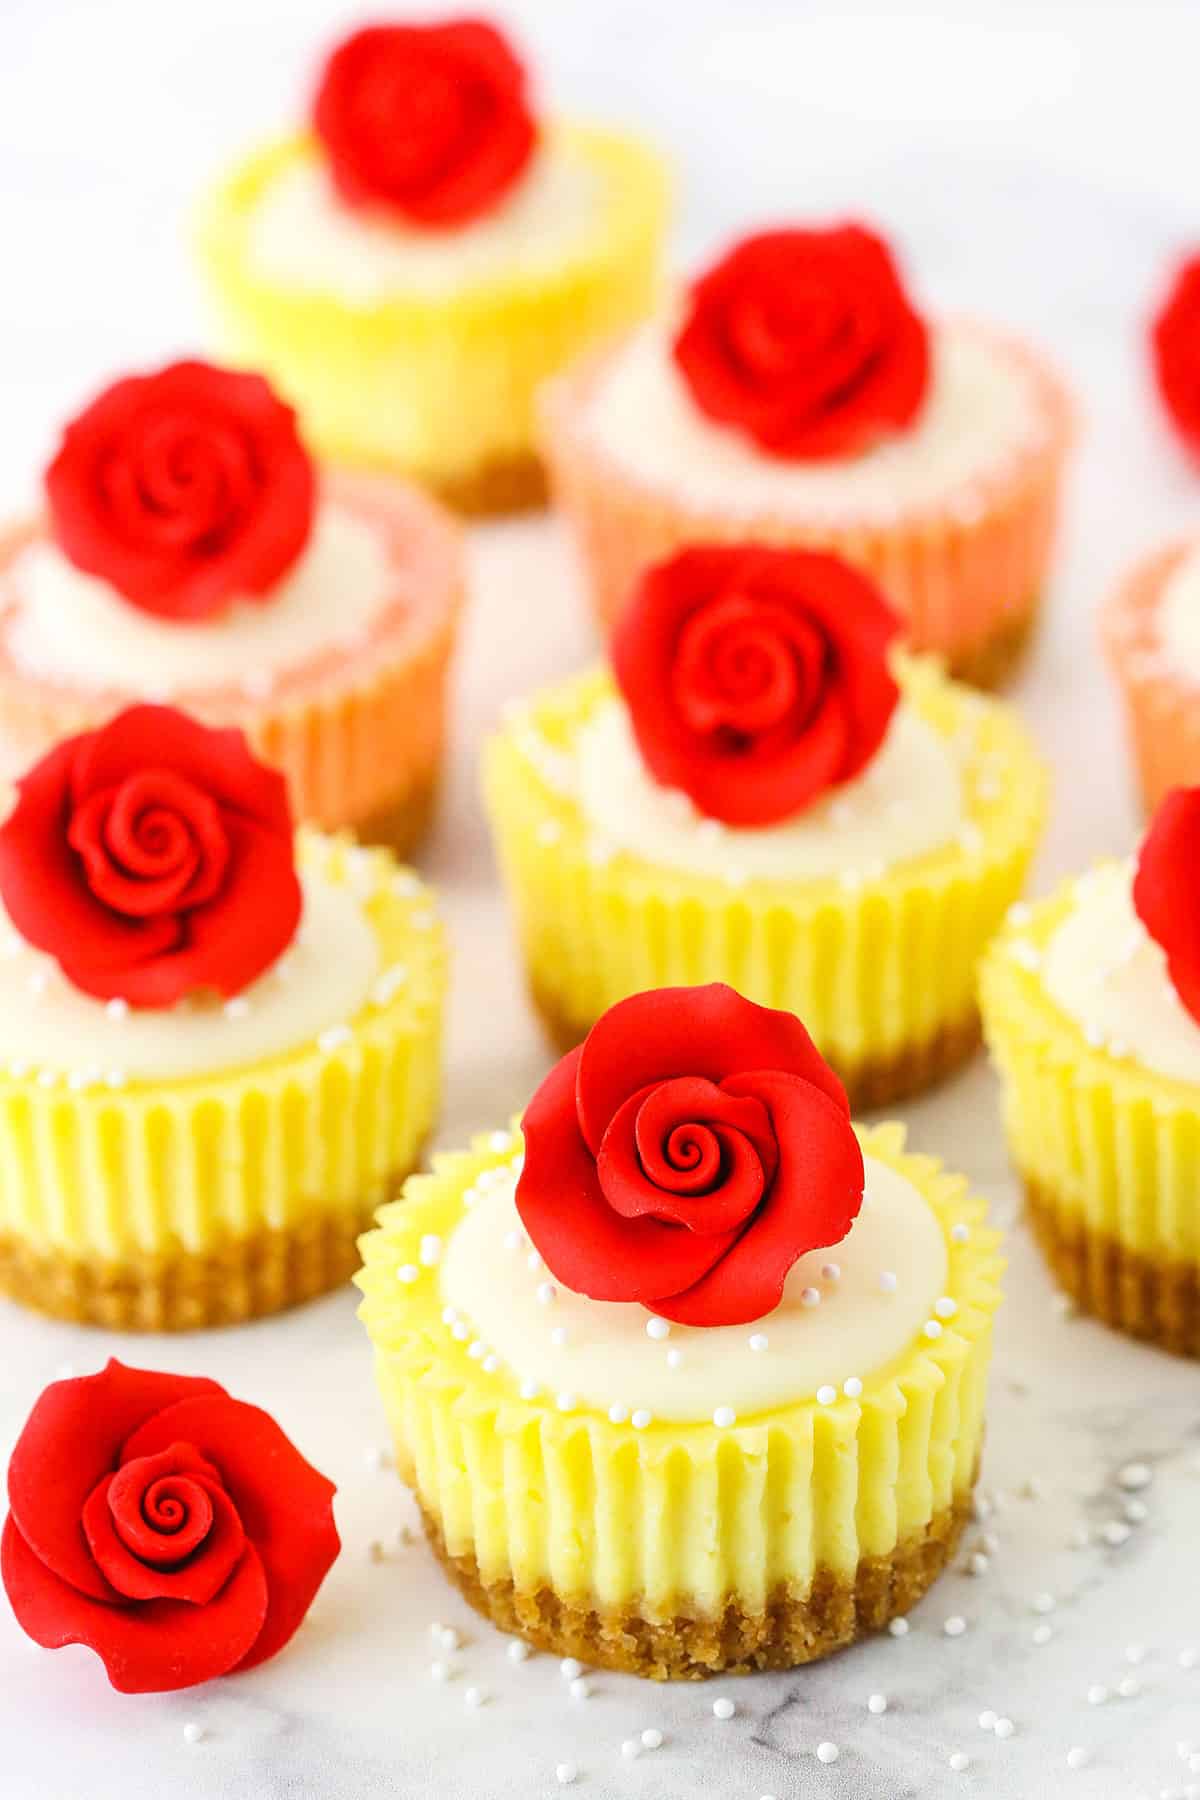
(1100,1060)
(865,911)
(410,340)
(168,1166)
(680,1499)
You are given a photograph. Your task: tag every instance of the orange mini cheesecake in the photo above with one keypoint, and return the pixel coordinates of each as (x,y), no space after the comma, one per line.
(796,397)
(1151,634)
(192,552)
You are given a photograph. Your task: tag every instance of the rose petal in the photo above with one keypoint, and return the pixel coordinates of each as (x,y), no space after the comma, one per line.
(585,1244)
(285,1505)
(220,764)
(192,1571)
(71,1439)
(151,1648)
(712,1031)
(639,1180)
(814,1200)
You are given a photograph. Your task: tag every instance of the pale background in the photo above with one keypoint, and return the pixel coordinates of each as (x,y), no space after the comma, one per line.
(1036,163)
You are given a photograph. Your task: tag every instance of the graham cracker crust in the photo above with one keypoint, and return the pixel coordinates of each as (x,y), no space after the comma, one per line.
(990,662)
(238,1279)
(793,1629)
(505,484)
(876,1082)
(404,824)
(1157,1301)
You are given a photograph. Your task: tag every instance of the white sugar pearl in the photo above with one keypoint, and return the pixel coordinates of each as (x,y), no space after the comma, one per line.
(658,1329)
(877,1703)
(565,1773)
(448,1638)
(1188,1657)
(888,1281)
(810,1296)
(1041,1634)
(1135,1654)
(1043,1603)
(617,1414)
(475,1697)
(826,1395)
(959,1234)
(945,1308)
(1135,1476)
(408,1272)
(565,1402)
(512,1241)
(724,1417)
(987,1720)
(631,1749)
(1004,1728)
(955,1625)
(641,1418)
(978,1563)
(827,1752)
(759,1341)
(490,1364)
(1129,1687)
(1116,1533)
(898,1627)
(831,1271)
(852,1387)
(1076,1756)
(558,1336)
(439,1671)
(519,1651)
(1097,1694)
(193,1731)
(546,1292)
(652,1738)
(674,1359)
(932,1329)
(723,1708)
(580,1688)
(958,1761)
(529,1389)
(570,1668)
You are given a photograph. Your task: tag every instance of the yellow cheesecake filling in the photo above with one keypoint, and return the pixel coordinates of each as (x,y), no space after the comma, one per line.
(876,955)
(614,1503)
(127,1135)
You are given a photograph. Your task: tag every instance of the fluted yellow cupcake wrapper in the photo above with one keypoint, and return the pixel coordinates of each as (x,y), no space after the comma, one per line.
(878,970)
(439,385)
(152,1169)
(1116,1145)
(675,1515)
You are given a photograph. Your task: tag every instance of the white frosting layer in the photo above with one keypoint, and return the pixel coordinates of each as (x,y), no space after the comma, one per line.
(322,981)
(75,630)
(302,236)
(907,801)
(1178,618)
(607,1359)
(980,408)
(1106,972)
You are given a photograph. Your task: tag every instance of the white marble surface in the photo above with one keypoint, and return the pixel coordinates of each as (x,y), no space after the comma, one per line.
(1037,163)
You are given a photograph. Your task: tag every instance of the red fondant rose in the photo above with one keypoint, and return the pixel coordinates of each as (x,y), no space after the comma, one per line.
(174,1531)
(686,1155)
(806,341)
(1166,890)
(429,120)
(756,678)
(185,489)
(1175,344)
(152,859)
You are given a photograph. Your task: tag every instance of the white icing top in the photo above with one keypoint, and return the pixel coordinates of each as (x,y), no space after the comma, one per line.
(1178,618)
(907,801)
(73,629)
(321,981)
(607,1358)
(980,408)
(302,236)
(1106,972)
